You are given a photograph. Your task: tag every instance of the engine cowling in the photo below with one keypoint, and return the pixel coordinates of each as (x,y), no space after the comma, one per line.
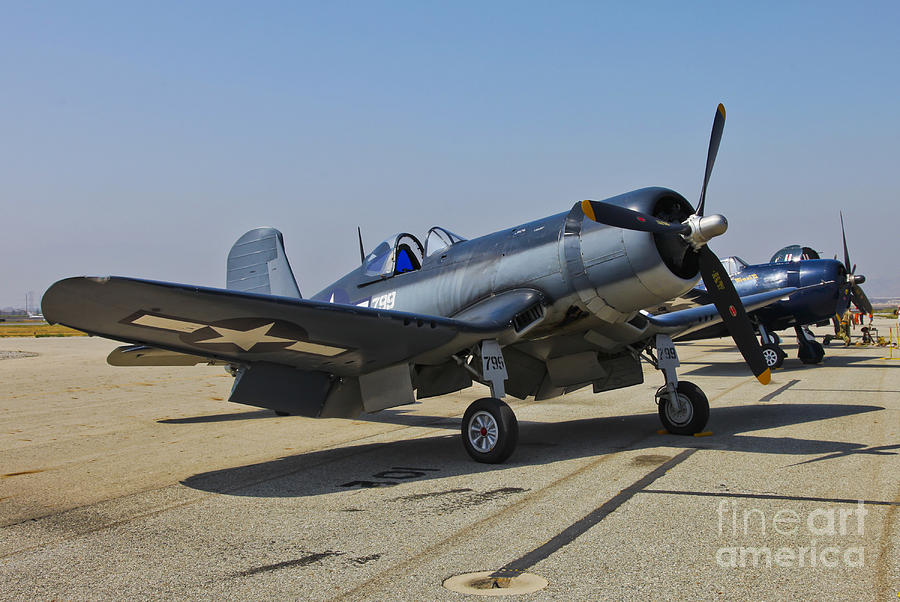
(617,272)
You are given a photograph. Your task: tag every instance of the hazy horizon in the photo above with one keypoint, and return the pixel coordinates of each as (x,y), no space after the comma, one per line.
(143,140)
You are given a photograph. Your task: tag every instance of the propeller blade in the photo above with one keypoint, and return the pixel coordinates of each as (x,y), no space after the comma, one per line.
(860,299)
(715,138)
(728,302)
(846,252)
(620,217)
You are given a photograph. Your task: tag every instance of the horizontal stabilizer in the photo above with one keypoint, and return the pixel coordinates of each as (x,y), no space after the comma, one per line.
(258,264)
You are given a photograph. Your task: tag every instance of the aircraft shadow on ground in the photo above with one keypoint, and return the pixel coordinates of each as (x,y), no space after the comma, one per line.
(791,364)
(249,415)
(397,416)
(321,472)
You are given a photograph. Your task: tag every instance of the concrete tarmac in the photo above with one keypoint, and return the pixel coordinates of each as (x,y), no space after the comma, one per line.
(145,483)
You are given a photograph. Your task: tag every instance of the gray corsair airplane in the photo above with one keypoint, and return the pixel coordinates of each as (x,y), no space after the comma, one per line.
(541,309)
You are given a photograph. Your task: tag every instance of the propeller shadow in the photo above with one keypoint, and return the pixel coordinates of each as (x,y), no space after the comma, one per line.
(438,456)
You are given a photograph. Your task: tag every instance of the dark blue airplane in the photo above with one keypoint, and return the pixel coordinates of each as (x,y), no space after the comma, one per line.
(824,288)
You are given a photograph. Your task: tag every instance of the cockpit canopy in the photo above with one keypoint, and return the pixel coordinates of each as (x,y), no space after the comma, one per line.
(794,253)
(403,252)
(439,239)
(733,264)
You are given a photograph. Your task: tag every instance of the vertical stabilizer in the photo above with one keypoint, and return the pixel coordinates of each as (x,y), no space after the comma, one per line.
(257,263)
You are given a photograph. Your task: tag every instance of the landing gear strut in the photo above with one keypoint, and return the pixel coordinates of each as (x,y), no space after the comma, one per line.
(683,407)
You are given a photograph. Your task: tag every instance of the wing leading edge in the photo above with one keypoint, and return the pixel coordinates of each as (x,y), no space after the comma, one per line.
(683,322)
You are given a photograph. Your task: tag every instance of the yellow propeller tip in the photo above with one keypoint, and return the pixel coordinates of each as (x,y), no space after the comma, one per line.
(721,110)
(765,377)
(588,210)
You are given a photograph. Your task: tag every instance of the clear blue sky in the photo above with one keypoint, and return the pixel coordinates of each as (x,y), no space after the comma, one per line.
(142,139)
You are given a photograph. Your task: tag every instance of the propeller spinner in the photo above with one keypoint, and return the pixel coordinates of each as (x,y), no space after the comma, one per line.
(698,230)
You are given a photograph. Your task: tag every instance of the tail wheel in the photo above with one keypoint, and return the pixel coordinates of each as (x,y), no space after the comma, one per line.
(490,431)
(773,355)
(689,414)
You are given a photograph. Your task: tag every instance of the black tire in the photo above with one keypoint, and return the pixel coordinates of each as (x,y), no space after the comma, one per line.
(280,413)
(490,431)
(773,355)
(817,353)
(775,338)
(689,419)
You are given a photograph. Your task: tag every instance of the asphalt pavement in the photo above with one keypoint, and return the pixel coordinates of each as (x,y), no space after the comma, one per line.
(146,483)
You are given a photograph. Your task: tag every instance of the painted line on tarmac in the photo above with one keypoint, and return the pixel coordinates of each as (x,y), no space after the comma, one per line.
(778,391)
(772,496)
(575,530)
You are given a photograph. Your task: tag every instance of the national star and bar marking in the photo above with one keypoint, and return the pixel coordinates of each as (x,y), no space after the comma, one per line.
(243,339)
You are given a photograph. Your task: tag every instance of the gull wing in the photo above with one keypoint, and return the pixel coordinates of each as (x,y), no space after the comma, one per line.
(682,323)
(240,327)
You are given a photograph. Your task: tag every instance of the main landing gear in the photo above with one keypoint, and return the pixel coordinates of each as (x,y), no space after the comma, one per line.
(771,348)
(490,430)
(810,350)
(686,412)
(683,407)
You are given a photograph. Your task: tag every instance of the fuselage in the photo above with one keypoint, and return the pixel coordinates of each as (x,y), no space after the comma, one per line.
(575,264)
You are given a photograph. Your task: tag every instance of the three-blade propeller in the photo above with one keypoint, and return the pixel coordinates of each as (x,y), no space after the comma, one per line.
(697,230)
(857,296)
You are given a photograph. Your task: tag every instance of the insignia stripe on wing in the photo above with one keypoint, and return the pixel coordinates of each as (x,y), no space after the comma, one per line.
(240,332)
(167,323)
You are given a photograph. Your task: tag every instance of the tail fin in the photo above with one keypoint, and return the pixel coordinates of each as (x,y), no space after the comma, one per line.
(257,263)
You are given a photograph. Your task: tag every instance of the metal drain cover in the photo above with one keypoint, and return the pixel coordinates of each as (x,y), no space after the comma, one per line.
(486,583)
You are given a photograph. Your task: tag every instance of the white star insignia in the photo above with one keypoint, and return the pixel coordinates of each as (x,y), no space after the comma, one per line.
(246,339)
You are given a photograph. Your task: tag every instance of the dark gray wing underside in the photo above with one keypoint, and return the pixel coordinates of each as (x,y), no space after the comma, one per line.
(245,327)
(241,327)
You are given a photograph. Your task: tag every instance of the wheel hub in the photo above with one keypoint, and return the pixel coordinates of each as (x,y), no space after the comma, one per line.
(483,431)
(681,411)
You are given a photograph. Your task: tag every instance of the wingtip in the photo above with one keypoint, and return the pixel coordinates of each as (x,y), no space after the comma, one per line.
(765,377)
